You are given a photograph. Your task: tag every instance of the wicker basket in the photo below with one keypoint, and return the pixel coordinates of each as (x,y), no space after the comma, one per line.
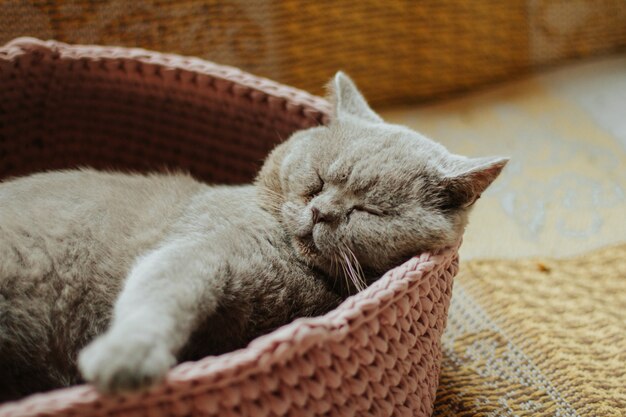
(377,354)
(397,50)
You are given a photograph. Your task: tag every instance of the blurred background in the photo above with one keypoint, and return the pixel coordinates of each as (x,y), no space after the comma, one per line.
(399,51)
(542,81)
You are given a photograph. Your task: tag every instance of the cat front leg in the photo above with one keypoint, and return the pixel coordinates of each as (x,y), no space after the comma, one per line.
(164,296)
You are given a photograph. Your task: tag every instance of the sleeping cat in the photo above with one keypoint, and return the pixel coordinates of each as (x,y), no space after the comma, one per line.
(113,278)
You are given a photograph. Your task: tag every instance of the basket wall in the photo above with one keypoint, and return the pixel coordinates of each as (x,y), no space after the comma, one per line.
(378,353)
(128,109)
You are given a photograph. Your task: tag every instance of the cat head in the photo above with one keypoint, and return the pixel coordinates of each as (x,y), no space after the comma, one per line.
(359,196)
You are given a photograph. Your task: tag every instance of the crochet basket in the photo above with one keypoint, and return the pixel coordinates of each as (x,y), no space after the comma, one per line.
(377,354)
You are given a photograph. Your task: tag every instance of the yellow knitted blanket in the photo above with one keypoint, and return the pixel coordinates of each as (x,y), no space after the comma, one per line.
(537,337)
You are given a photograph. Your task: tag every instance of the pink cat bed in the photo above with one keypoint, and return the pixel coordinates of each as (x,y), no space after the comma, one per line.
(377,354)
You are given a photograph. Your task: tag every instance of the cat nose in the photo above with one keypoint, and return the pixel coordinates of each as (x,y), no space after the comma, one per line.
(318,216)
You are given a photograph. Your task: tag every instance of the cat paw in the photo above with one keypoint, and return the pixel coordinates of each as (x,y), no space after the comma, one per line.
(117,364)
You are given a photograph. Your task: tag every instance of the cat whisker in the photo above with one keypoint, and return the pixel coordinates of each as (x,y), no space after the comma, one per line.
(346,280)
(272,199)
(270,193)
(352,272)
(359,269)
(273,205)
(334,267)
(342,259)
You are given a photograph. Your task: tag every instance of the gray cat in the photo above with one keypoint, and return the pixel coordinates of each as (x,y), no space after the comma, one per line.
(117,277)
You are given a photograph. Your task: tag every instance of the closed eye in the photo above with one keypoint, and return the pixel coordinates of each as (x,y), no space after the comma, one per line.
(316,189)
(374,211)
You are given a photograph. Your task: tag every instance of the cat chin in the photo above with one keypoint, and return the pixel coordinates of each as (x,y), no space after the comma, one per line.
(307,250)
(305,246)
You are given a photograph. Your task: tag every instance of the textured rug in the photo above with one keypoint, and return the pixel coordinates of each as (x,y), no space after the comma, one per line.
(537,337)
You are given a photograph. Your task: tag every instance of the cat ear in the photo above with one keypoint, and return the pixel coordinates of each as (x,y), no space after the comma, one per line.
(347,100)
(469,179)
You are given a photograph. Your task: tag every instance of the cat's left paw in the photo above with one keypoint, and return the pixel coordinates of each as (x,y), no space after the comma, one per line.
(116,364)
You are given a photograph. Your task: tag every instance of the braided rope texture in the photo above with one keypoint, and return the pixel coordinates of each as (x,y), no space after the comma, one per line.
(396,50)
(378,353)
(537,337)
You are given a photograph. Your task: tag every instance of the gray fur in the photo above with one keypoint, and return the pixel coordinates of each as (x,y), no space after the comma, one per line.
(138,272)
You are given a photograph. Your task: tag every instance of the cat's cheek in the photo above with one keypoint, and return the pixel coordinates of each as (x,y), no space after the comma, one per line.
(325,240)
(298,223)
(366,241)
(353,232)
(288,215)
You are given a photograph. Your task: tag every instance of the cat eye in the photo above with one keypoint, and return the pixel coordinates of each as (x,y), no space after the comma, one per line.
(374,211)
(316,189)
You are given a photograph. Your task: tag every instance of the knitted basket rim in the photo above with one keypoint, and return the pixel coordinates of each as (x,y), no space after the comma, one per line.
(269,351)
(185,64)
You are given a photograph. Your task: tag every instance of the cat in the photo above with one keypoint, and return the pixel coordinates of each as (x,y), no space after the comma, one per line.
(113,278)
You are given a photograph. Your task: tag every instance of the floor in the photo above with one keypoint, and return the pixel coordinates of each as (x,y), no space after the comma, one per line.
(564,190)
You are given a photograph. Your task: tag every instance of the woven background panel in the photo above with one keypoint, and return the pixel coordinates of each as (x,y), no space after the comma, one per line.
(537,337)
(378,353)
(396,50)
